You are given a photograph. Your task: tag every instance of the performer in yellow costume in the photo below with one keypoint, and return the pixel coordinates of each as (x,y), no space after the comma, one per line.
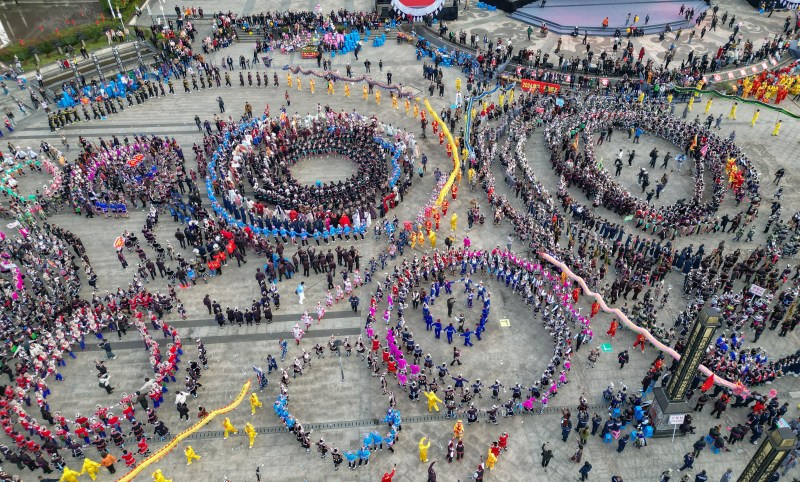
(159,477)
(423,449)
(190,455)
(777,128)
(453,221)
(458,430)
(69,475)
(228,426)
(433,400)
(747,86)
(254,403)
(251,433)
(490,460)
(732,113)
(90,467)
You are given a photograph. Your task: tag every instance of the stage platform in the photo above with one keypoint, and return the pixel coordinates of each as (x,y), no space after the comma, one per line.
(561,16)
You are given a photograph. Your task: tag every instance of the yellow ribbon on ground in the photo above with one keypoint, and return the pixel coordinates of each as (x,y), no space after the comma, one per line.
(455,176)
(179,438)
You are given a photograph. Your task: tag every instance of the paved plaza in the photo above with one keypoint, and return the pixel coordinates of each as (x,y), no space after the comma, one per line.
(340,399)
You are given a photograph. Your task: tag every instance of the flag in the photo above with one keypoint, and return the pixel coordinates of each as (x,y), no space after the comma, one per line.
(262,379)
(708,383)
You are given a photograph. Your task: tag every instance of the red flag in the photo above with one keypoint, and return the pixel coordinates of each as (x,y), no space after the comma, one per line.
(708,383)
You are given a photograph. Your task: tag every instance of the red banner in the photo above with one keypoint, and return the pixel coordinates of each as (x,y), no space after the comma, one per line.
(535,85)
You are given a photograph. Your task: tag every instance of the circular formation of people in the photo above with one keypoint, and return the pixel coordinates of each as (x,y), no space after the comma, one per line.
(427,301)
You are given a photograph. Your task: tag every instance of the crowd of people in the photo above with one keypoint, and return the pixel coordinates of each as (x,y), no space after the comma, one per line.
(274,210)
(111,174)
(576,126)
(262,152)
(290,31)
(273,25)
(398,356)
(19,160)
(627,61)
(272,170)
(485,64)
(45,322)
(641,264)
(777,84)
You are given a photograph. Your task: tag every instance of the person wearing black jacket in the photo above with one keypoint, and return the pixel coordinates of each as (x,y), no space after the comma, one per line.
(547,454)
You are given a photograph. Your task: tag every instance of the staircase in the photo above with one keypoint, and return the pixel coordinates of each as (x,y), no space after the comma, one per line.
(54,78)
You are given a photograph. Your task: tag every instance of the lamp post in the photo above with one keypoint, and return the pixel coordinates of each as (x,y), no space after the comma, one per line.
(670,401)
(138,54)
(97,67)
(118,14)
(115,51)
(161,5)
(75,72)
(769,456)
(699,338)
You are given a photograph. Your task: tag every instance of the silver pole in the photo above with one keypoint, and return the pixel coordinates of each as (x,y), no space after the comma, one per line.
(138,54)
(97,67)
(115,51)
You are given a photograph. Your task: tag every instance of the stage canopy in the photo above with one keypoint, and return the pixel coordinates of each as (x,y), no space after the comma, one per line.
(417,8)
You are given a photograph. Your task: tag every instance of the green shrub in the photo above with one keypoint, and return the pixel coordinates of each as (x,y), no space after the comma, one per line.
(46,47)
(7,54)
(126,7)
(71,36)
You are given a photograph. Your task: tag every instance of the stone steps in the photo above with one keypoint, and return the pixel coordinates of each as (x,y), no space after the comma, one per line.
(107,64)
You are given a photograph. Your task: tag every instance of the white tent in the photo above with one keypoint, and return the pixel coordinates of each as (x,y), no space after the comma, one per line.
(418,8)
